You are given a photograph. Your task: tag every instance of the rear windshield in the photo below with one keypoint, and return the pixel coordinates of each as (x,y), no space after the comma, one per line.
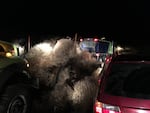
(101,47)
(131,80)
(88,45)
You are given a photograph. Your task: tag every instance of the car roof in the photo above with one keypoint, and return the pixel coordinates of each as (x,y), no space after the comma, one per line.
(132,57)
(6,45)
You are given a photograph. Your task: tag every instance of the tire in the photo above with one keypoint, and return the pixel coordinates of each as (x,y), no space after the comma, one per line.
(15,99)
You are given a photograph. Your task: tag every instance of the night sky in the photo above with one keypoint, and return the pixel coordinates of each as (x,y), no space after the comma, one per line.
(122,21)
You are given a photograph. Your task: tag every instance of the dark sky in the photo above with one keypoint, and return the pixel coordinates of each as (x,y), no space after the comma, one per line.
(117,20)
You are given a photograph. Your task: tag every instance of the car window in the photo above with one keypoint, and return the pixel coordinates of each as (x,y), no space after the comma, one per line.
(8,48)
(131,80)
(1,49)
(88,45)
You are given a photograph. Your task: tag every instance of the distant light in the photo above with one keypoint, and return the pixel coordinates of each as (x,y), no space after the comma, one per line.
(81,39)
(119,48)
(21,50)
(96,39)
(97,54)
(103,38)
(46,47)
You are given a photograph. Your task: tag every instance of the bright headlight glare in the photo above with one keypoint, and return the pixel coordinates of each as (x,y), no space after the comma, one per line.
(8,54)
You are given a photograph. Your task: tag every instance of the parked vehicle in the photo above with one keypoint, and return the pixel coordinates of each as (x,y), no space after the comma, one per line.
(124,85)
(8,49)
(102,49)
(16,85)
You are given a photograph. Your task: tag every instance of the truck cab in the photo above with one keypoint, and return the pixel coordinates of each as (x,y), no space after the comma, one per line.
(8,49)
(17,87)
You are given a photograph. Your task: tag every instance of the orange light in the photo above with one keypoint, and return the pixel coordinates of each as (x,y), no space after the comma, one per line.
(98,107)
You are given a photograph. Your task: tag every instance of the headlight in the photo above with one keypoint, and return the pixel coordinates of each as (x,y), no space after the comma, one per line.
(8,54)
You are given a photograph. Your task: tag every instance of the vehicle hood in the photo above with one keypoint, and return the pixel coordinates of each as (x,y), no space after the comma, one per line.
(6,61)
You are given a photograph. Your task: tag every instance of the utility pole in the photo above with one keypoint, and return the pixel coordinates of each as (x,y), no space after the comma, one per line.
(75,38)
(29,42)
(75,41)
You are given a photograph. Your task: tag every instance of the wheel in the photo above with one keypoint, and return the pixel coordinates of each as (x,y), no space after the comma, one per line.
(15,99)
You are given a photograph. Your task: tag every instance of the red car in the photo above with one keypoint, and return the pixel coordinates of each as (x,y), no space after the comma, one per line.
(125,86)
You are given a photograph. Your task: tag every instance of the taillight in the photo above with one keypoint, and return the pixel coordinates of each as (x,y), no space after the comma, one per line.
(98,107)
(108,59)
(105,108)
(96,39)
(99,81)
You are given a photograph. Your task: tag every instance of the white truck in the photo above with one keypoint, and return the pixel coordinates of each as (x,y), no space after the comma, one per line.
(102,49)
